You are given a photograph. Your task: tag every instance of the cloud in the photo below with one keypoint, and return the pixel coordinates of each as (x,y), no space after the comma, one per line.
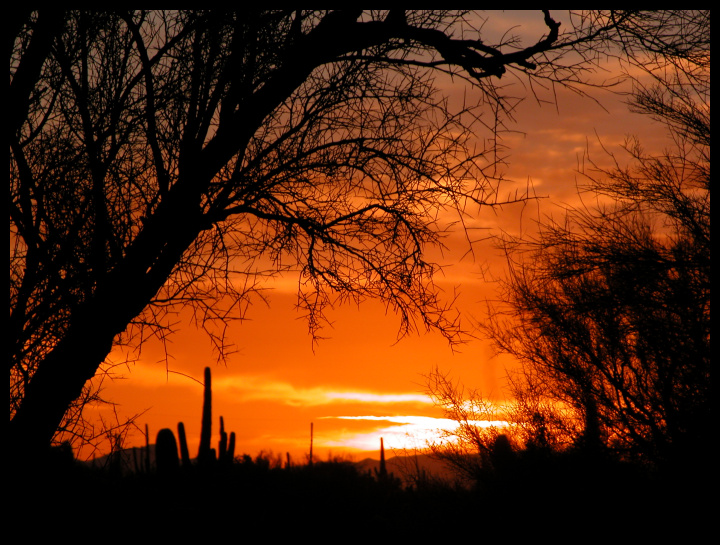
(406,432)
(366,397)
(256,388)
(423,422)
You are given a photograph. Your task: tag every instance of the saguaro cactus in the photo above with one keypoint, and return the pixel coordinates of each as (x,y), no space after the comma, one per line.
(222,446)
(206,455)
(226,450)
(184,452)
(231,447)
(205,452)
(166,451)
(383,468)
(147,449)
(381,473)
(310,459)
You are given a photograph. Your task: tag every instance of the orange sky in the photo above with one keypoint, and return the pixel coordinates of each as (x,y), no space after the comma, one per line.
(360,385)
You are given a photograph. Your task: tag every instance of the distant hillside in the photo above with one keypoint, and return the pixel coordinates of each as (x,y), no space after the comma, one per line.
(409,468)
(129,460)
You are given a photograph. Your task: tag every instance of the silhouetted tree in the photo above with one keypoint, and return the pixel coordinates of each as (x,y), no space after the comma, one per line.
(164,158)
(610,310)
(467,447)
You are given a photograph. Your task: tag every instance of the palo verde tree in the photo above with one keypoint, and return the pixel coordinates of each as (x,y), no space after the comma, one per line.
(609,310)
(164,158)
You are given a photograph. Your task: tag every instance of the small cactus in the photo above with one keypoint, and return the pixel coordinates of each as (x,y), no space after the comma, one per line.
(166,452)
(184,452)
(222,446)
(147,449)
(231,447)
(226,448)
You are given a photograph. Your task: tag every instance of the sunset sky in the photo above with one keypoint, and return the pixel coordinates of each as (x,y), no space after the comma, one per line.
(359,384)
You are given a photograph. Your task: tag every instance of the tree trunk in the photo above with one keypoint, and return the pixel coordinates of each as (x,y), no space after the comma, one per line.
(58,382)
(125,292)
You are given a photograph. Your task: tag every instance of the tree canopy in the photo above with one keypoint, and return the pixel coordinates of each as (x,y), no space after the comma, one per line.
(164,158)
(609,308)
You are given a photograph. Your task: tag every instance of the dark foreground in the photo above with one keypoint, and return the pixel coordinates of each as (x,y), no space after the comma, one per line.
(335,502)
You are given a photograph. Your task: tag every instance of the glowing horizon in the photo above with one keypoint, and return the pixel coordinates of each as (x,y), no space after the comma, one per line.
(407,433)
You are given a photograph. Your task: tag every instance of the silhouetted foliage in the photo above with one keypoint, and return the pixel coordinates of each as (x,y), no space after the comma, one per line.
(610,309)
(557,494)
(169,158)
(466,448)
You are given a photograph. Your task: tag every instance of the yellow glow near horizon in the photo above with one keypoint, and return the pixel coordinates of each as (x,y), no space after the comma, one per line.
(404,432)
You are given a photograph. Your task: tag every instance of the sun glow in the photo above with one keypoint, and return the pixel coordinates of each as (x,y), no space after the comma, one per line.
(404,433)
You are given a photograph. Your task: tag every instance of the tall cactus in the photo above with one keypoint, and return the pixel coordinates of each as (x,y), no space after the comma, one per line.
(205,452)
(381,473)
(310,459)
(383,468)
